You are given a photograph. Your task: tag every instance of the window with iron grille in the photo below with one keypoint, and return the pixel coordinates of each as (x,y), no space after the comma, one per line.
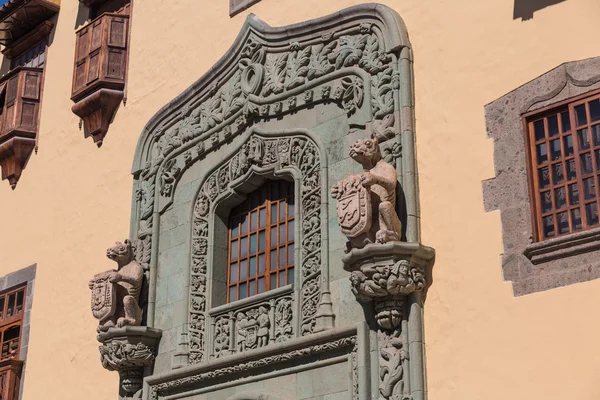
(261,241)
(564,144)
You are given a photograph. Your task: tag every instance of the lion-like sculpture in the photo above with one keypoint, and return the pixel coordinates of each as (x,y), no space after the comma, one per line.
(367,201)
(116,293)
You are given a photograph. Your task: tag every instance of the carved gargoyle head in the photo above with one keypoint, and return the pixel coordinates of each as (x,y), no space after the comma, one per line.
(121,253)
(366,152)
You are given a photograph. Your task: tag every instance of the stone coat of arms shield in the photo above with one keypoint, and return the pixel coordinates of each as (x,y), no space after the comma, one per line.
(104,296)
(354,207)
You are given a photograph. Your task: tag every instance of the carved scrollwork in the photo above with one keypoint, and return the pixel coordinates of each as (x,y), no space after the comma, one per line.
(117,355)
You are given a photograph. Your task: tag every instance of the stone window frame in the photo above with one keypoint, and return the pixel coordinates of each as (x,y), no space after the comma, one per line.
(237,6)
(536,266)
(24,277)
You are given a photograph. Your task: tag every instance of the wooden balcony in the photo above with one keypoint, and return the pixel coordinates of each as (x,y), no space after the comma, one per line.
(20,93)
(10,379)
(100,72)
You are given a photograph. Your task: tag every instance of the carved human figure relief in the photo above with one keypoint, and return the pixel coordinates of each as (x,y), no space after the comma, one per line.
(367,201)
(116,293)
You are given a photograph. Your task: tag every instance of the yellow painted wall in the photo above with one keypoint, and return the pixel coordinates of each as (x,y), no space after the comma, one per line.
(73,200)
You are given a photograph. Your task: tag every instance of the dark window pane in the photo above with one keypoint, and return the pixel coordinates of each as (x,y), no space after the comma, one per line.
(252,266)
(10,310)
(589,188)
(566,121)
(262,240)
(586,163)
(543,177)
(273,281)
(252,287)
(281,279)
(546,199)
(568,143)
(591,212)
(244,219)
(291,206)
(2,308)
(594,110)
(555,152)
(290,275)
(234,227)
(291,230)
(563,222)
(243,293)
(234,272)
(244,247)
(233,250)
(261,264)
(262,218)
(233,293)
(573,194)
(597,154)
(581,117)
(274,192)
(20,301)
(273,213)
(290,251)
(571,174)
(557,174)
(560,198)
(243,270)
(542,153)
(548,226)
(553,125)
(538,128)
(261,285)
(576,219)
(253,220)
(596,134)
(253,243)
(584,139)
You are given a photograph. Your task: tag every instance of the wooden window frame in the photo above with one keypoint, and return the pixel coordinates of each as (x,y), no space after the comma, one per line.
(15,320)
(279,247)
(532,166)
(43,51)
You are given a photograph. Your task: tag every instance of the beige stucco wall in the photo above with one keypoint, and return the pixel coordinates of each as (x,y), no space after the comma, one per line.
(73,200)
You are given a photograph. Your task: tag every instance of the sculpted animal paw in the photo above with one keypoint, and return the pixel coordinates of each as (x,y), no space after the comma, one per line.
(385,236)
(367,179)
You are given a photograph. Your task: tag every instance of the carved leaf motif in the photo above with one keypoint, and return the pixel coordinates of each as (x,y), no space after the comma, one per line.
(297,68)
(319,64)
(275,75)
(231,95)
(383,93)
(210,113)
(350,51)
(353,93)
(189,127)
(371,60)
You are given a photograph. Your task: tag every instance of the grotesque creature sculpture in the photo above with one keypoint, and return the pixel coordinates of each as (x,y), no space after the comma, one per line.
(367,201)
(116,293)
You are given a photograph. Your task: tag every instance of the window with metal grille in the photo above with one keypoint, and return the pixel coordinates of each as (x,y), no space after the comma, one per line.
(261,241)
(565,167)
(35,57)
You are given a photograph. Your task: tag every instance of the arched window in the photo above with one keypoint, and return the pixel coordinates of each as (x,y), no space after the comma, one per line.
(261,241)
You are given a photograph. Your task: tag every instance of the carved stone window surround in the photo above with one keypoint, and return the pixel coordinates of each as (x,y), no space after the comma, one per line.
(561,261)
(249,301)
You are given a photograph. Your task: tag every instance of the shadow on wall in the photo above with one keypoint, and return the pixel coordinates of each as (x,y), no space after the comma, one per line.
(524,9)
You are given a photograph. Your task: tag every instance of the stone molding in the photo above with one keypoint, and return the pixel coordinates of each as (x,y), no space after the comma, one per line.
(534,267)
(237,6)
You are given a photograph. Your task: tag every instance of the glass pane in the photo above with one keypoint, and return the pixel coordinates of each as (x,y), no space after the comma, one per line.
(557,174)
(544,177)
(568,143)
(252,266)
(11,305)
(281,279)
(576,219)
(252,287)
(548,226)
(233,293)
(591,211)
(290,251)
(253,243)
(291,206)
(262,240)
(262,218)
(555,152)
(282,258)
(261,264)
(233,253)
(597,160)
(261,285)
(244,219)
(273,260)
(581,117)
(234,272)
(594,110)
(546,199)
(563,222)
(253,220)
(589,188)
(560,198)
(281,233)
(244,247)
(584,139)
(596,134)
(243,293)
(273,281)
(2,308)
(586,163)
(273,237)
(273,213)
(573,194)
(235,227)
(243,270)
(538,129)
(282,208)
(291,230)
(553,125)
(571,174)
(566,122)
(290,275)
(542,153)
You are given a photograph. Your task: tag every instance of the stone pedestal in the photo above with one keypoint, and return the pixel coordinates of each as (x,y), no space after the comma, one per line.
(129,350)
(388,280)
